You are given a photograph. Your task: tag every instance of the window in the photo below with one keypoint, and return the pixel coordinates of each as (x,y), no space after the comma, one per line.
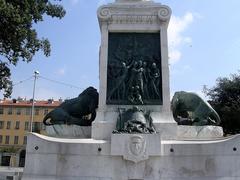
(1,111)
(9,178)
(0,139)
(25,140)
(7,139)
(22,157)
(15,139)
(28,111)
(37,127)
(45,111)
(17,124)
(1,124)
(10,111)
(18,112)
(36,111)
(9,125)
(26,126)
(5,160)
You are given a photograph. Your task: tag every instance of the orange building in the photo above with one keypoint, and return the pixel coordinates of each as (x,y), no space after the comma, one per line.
(15,119)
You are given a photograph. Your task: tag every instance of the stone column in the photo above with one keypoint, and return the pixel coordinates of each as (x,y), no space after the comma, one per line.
(134,16)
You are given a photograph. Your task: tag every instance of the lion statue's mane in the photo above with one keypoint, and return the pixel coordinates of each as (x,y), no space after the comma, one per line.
(79,111)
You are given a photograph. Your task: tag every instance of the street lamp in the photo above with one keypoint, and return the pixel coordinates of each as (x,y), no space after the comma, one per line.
(36,73)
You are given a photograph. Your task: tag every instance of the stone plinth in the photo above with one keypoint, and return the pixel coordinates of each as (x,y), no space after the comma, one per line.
(199,132)
(87,159)
(69,131)
(134,16)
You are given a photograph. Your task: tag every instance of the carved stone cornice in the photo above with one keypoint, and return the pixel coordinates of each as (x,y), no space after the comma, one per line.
(137,13)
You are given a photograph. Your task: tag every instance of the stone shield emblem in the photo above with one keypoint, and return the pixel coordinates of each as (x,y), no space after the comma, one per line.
(136,149)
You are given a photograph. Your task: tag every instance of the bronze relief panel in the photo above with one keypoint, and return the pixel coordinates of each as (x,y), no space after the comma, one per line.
(134,69)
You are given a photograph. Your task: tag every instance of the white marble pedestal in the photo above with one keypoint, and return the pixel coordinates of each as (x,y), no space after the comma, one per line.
(88,159)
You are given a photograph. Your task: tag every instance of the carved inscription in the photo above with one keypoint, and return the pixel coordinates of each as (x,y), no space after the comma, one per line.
(132,19)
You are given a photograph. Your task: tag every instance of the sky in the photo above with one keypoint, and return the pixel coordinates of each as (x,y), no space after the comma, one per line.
(204,44)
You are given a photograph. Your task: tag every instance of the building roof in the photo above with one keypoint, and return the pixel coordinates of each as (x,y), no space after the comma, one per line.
(28,103)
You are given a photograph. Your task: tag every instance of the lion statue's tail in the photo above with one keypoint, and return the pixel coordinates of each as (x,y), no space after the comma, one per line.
(214,118)
(46,120)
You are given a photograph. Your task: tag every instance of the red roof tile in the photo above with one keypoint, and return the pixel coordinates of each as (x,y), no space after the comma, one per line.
(29,103)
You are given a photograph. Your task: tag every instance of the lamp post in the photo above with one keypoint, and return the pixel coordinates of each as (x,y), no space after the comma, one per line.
(36,73)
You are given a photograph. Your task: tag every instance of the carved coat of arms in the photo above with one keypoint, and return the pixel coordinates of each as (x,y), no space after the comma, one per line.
(135,149)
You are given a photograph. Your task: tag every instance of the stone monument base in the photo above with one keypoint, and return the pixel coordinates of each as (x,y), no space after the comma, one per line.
(51,158)
(199,132)
(69,131)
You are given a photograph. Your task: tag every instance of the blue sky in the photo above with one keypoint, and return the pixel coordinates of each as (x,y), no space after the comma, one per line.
(204,44)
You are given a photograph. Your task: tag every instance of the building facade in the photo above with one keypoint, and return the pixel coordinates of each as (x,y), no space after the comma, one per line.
(15,123)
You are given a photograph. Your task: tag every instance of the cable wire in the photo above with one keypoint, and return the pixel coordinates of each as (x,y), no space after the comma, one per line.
(59,82)
(22,81)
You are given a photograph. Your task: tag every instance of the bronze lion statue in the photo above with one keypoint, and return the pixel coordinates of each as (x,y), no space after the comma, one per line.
(190,109)
(79,111)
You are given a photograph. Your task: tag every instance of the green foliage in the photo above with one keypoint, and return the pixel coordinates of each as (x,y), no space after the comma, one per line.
(18,38)
(225,98)
(10,149)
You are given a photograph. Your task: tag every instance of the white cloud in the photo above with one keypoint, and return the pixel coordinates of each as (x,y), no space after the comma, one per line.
(74,2)
(174,55)
(181,70)
(198,16)
(61,71)
(176,38)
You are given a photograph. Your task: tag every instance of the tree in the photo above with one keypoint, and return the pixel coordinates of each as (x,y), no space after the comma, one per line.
(225,99)
(18,39)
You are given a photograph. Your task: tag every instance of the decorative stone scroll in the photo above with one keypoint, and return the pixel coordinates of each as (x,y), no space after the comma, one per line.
(104,13)
(164,13)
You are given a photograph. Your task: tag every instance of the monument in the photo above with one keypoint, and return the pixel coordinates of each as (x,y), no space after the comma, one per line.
(134,135)
(134,66)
